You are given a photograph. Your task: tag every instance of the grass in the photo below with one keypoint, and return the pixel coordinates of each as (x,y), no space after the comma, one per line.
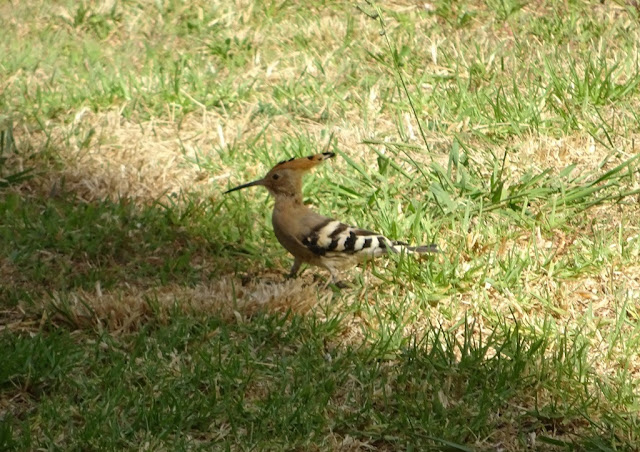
(142,309)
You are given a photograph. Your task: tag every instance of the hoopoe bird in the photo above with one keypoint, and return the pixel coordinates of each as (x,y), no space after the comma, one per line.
(313,238)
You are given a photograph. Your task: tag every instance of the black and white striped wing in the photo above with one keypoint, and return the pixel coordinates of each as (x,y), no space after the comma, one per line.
(332,238)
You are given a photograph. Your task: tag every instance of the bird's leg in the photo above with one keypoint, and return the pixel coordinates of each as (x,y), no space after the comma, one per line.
(334,278)
(294,268)
(333,271)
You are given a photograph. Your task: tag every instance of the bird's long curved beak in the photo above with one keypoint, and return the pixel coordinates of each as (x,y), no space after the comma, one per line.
(250,184)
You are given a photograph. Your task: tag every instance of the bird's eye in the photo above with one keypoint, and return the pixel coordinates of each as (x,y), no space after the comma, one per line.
(275,177)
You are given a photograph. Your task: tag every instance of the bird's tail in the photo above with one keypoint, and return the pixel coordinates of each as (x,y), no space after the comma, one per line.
(399,247)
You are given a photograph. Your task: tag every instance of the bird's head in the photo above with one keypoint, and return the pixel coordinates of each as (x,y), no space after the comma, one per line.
(285,179)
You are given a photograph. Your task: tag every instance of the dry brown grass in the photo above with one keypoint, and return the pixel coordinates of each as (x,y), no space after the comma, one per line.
(98,154)
(126,310)
(124,160)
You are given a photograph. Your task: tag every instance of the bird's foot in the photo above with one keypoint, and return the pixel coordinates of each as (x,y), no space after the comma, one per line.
(335,284)
(342,284)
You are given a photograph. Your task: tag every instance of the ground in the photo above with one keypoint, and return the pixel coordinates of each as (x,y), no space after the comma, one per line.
(144,309)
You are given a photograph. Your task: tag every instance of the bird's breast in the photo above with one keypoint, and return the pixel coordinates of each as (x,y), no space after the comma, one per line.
(286,229)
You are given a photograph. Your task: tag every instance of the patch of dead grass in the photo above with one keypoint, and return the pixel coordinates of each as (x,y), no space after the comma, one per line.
(127,309)
(538,153)
(140,162)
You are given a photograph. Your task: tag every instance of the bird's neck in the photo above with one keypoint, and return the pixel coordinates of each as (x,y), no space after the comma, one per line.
(288,201)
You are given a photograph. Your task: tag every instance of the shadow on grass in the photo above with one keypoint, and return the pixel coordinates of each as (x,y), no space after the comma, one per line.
(59,244)
(283,382)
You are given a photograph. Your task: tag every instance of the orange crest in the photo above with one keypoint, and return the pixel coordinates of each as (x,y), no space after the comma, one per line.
(304,163)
